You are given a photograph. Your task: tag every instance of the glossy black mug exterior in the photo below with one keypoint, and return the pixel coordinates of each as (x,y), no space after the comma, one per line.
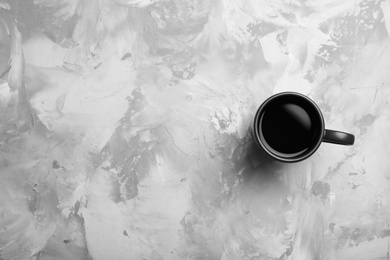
(290,127)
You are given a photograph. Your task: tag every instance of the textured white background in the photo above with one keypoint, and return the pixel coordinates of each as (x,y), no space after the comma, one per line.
(124,129)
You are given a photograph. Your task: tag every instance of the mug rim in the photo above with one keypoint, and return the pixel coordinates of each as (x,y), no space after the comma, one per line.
(300,157)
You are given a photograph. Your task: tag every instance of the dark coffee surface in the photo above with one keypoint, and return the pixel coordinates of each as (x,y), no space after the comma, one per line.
(288,128)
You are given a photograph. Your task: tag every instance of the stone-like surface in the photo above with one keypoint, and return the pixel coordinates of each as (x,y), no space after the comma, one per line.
(124,129)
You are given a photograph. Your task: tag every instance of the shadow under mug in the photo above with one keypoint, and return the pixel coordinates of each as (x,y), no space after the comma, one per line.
(290,127)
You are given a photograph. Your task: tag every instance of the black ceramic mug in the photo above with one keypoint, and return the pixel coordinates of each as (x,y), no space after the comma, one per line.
(290,127)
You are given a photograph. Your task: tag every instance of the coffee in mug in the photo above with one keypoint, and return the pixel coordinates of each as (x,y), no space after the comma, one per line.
(290,127)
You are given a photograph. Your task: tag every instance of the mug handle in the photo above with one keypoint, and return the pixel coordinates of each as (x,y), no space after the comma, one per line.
(337,137)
